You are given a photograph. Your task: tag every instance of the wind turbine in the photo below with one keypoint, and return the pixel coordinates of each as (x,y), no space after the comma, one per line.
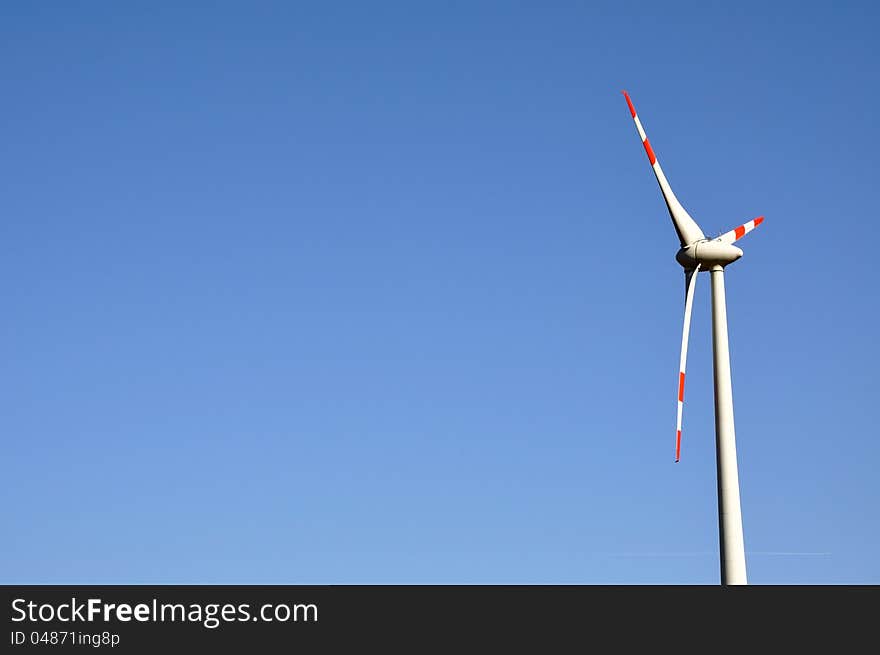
(699,253)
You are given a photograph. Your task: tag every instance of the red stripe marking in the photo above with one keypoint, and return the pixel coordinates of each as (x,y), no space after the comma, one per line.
(632,110)
(650,151)
(740,231)
(759,220)
(681,387)
(677,445)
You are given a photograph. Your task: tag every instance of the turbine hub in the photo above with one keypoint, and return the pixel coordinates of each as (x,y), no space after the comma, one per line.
(708,253)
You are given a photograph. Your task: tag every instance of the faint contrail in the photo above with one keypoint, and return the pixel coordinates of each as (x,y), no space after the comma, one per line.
(785,553)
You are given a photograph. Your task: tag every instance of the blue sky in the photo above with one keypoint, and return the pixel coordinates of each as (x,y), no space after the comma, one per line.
(386,292)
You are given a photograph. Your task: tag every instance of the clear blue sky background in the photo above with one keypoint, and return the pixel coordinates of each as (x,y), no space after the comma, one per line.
(385,292)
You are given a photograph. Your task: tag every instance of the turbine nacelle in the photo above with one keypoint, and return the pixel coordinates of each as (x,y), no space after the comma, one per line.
(708,253)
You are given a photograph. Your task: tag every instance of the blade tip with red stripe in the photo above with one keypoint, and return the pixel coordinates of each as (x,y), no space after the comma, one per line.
(632,109)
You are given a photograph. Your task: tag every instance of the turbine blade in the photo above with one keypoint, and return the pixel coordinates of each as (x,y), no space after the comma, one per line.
(691,283)
(686,227)
(741,231)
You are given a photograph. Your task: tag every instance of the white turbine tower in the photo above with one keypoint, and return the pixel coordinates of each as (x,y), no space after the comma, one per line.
(698,253)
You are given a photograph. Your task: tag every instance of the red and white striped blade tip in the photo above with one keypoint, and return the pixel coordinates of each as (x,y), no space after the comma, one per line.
(748,227)
(738,233)
(632,109)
